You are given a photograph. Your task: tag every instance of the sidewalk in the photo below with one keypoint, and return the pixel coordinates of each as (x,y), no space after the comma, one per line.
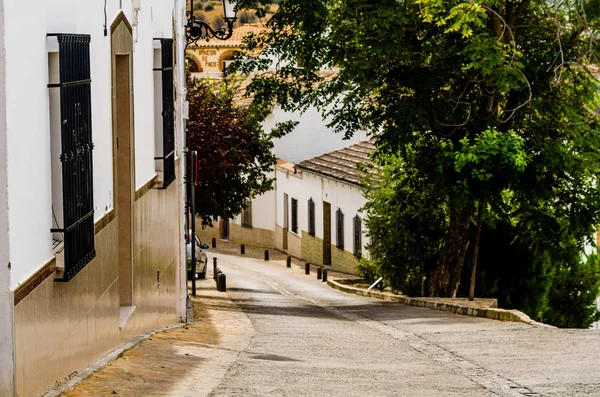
(184,362)
(192,360)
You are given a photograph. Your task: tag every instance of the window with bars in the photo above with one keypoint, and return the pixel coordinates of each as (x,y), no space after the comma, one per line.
(165,124)
(294,215)
(339,220)
(71,107)
(311,217)
(247,215)
(357,235)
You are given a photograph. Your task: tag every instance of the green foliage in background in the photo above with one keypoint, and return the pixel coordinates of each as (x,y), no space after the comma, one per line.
(482,112)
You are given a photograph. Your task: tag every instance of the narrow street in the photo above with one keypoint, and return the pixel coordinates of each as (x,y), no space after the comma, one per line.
(278,332)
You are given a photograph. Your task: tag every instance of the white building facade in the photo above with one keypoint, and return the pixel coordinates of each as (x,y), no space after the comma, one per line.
(91,215)
(319,215)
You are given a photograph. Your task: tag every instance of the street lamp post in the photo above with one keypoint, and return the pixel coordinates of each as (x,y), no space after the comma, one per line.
(197,29)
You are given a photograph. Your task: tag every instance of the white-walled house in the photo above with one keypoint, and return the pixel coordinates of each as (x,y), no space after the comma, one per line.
(313,212)
(312,137)
(91,129)
(319,202)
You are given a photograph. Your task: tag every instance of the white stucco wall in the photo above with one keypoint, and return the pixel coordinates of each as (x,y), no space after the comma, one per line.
(6,295)
(340,195)
(310,138)
(180,105)
(27,23)
(264,209)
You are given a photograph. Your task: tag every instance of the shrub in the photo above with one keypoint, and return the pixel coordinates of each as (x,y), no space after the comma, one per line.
(561,292)
(368,269)
(247,17)
(572,298)
(209,7)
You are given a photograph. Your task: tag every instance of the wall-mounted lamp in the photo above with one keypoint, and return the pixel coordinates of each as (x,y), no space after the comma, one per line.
(197,29)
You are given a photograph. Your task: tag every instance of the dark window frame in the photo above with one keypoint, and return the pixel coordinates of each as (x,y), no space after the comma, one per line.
(294,215)
(168,111)
(339,220)
(357,235)
(76,152)
(247,215)
(311,217)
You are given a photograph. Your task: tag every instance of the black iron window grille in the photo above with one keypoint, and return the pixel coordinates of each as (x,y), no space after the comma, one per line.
(167,157)
(247,216)
(76,152)
(311,217)
(339,217)
(294,215)
(357,235)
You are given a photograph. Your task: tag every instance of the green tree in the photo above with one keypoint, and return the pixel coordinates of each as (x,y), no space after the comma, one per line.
(437,82)
(234,152)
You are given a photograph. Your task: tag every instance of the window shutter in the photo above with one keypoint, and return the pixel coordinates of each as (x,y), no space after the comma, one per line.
(247,215)
(76,152)
(294,215)
(357,235)
(340,228)
(168,112)
(311,217)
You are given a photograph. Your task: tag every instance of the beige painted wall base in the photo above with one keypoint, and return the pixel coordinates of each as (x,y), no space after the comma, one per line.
(63,327)
(238,235)
(341,260)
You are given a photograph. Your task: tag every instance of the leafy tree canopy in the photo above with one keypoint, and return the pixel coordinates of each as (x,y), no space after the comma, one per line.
(234,152)
(483,111)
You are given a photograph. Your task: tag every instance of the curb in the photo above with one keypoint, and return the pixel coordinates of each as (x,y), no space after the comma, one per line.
(77,377)
(465,310)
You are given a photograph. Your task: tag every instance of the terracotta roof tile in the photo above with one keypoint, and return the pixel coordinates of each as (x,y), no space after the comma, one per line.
(341,164)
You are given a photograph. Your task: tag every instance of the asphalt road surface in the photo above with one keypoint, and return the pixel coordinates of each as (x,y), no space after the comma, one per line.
(311,340)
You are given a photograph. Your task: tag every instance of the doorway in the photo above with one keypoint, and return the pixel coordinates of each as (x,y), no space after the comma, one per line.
(285,221)
(326,234)
(224,229)
(123,156)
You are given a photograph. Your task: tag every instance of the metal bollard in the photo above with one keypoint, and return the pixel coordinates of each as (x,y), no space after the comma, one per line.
(324,275)
(266,255)
(223,282)
(307,268)
(289,261)
(319,273)
(214,242)
(243,249)
(214,267)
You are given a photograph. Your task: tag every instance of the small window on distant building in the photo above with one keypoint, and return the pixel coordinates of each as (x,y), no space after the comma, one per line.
(357,235)
(294,215)
(247,215)
(339,216)
(311,217)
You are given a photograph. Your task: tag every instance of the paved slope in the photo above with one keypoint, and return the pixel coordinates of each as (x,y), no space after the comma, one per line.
(313,340)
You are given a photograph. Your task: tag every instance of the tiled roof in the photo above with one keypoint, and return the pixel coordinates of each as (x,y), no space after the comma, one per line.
(234,41)
(341,164)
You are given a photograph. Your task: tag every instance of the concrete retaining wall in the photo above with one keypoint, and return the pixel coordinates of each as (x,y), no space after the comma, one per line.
(465,310)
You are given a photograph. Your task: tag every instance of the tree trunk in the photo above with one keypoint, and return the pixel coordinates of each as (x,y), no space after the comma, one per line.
(480,209)
(443,280)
